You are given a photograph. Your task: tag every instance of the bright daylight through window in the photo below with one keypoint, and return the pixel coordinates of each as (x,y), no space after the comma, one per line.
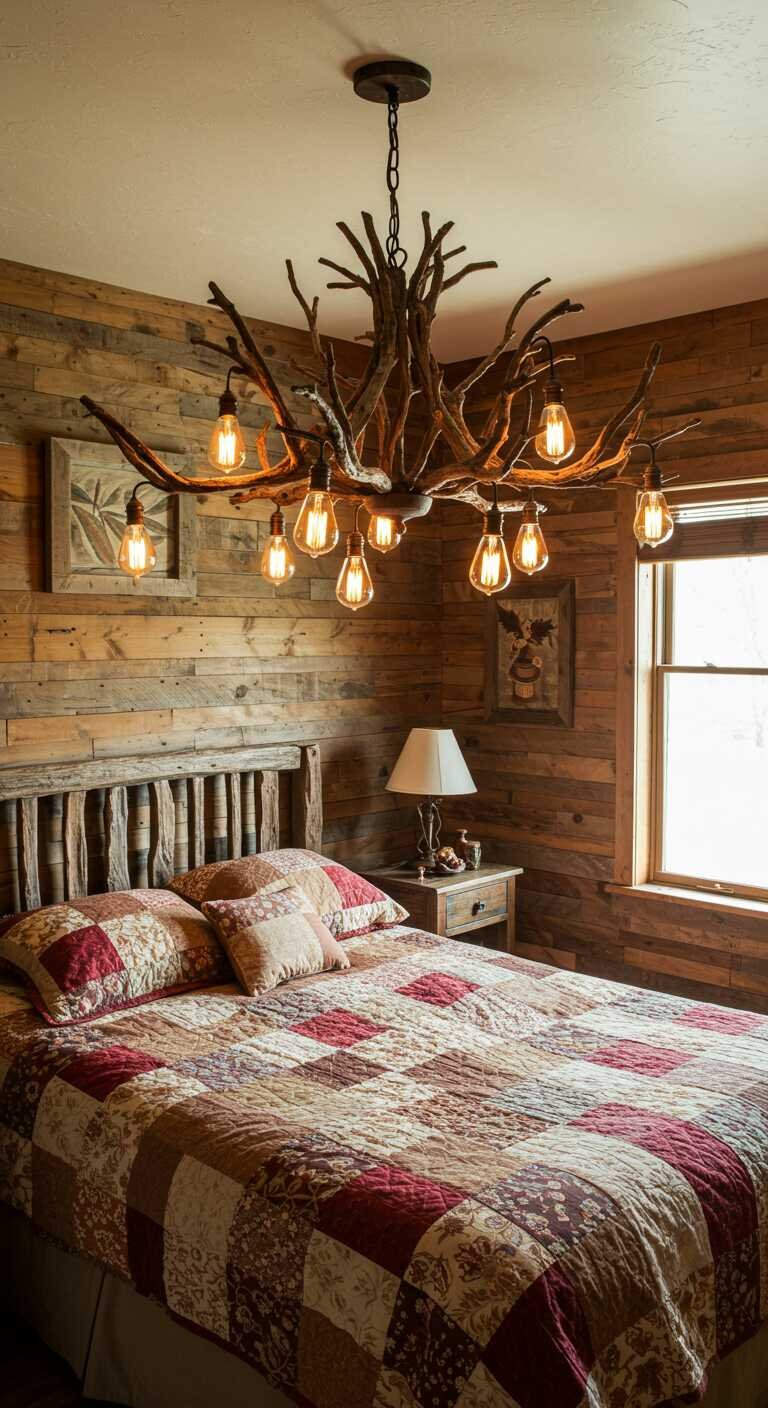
(711,813)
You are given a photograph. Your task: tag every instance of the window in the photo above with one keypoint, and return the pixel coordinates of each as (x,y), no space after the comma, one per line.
(710,725)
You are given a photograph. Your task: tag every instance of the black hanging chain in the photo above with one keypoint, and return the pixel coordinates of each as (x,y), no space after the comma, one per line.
(396,255)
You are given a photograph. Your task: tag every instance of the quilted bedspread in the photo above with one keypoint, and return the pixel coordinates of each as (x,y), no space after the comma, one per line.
(446,1177)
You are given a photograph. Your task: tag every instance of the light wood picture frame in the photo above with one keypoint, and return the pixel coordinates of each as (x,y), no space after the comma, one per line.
(530,653)
(87,488)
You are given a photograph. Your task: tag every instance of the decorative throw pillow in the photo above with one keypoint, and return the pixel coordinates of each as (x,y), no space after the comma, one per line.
(270,938)
(99,954)
(346,902)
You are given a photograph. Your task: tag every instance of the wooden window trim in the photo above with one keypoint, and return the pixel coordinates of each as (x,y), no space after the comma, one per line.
(635,645)
(695,899)
(643,648)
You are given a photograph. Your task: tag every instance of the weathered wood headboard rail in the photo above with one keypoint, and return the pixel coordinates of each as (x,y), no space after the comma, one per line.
(74,829)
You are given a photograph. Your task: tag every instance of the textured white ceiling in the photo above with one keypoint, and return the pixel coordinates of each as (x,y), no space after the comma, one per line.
(618,145)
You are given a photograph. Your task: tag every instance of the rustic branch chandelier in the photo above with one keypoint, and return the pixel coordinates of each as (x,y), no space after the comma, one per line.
(397,436)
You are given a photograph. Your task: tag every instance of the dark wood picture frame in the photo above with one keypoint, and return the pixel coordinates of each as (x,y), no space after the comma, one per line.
(563,591)
(63,458)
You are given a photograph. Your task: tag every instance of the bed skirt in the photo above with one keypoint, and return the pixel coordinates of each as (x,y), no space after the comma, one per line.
(125,1349)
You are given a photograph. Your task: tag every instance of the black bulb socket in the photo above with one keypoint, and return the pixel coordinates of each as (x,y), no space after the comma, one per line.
(227,403)
(134,511)
(553,393)
(320,476)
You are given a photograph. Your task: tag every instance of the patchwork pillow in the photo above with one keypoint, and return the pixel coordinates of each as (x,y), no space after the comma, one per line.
(346,902)
(270,938)
(99,954)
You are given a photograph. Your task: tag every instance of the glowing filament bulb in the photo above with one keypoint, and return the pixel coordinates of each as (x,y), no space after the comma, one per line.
(227,449)
(555,440)
(354,587)
(653,521)
(137,554)
(490,571)
(277,564)
(530,551)
(316,530)
(385,533)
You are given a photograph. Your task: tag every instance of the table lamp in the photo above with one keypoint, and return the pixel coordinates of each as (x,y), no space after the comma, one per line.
(430,766)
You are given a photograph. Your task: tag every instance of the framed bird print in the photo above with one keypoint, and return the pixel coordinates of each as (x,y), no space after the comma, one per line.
(530,654)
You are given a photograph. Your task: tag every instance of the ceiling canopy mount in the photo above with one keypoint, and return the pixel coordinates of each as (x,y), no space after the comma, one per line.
(377,82)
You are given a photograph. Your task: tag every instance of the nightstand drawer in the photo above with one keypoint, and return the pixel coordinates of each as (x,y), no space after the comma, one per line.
(476,906)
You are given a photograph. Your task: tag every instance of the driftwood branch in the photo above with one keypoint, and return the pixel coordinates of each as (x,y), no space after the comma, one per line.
(450,453)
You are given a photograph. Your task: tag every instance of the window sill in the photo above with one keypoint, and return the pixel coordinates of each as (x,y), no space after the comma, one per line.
(696,899)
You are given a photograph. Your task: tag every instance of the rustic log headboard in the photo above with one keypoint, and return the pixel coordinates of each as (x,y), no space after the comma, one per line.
(77,829)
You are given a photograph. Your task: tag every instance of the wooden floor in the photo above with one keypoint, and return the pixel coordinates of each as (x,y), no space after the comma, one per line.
(31,1376)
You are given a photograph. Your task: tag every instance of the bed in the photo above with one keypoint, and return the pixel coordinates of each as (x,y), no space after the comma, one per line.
(444,1176)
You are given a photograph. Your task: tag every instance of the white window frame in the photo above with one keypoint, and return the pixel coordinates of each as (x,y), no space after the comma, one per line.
(662,653)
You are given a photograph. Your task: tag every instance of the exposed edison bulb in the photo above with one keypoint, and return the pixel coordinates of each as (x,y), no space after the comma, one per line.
(653,521)
(530,552)
(385,533)
(555,439)
(354,587)
(490,571)
(277,564)
(316,530)
(136,555)
(227,448)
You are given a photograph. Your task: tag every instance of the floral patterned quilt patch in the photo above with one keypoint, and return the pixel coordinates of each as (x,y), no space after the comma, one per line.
(446,1176)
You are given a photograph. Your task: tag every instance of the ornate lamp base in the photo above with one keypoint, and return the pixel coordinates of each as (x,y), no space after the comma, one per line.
(428,843)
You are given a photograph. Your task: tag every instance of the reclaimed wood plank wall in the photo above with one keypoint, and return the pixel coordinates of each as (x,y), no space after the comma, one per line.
(92,676)
(547,796)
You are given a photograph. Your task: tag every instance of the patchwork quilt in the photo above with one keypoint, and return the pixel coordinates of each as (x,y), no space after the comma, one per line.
(446,1176)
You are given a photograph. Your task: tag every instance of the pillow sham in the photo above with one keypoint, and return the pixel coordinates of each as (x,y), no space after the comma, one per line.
(95,955)
(271,938)
(346,902)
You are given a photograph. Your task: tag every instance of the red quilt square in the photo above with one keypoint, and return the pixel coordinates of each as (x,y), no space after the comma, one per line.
(541,1352)
(385,1212)
(338,1028)
(714,1170)
(145,1253)
(353,889)
(719,1019)
(81,957)
(626,1055)
(99,1072)
(441,989)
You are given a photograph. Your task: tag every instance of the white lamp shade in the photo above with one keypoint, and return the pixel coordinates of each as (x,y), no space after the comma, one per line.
(431,765)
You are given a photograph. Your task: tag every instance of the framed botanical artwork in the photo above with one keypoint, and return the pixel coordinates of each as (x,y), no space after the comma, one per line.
(530,654)
(87,488)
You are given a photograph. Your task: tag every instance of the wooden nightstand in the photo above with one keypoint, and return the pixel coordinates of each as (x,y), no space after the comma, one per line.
(457,906)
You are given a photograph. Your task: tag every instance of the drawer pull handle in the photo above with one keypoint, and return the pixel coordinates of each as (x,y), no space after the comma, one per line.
(478,907)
